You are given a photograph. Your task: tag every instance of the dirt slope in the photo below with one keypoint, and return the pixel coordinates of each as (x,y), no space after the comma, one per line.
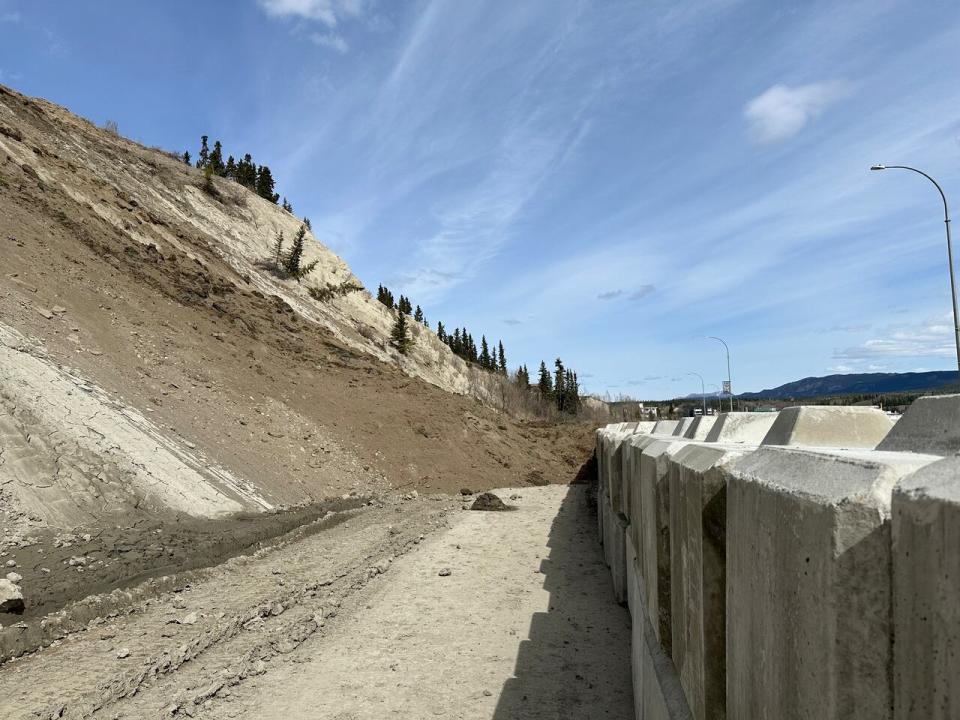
(150,371)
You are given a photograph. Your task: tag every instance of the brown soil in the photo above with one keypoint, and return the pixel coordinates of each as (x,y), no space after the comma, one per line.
(274,398)
(239,374)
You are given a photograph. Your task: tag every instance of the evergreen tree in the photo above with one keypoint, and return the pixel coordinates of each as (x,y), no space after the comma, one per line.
(418,315)
(471,349)
(399,337)
(404,306)
(292,261)
(216,159)
(230,169)
(265,184)
(572,389)
(385,296)
(484,353)
(278,251)
(247,172)
(288,207)
(558,384)
(455,343)
(204,156)
(306,221)
(441,332)
(186,157)
(545,384)
(502,359)
(523,377)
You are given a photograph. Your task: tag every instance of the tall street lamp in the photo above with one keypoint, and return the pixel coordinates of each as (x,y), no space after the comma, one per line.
(703,391)
(729,387)
(946,222)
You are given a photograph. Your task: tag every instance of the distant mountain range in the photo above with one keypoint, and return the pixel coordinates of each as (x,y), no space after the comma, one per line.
(857,383)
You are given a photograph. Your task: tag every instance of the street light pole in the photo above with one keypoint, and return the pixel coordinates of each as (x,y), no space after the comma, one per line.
(703,391)
(729,379)
(946,222)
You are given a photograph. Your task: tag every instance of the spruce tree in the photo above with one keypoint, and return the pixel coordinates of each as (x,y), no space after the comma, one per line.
(502,360)
(186,157)
(484,353)
(247,172)
(441,332)
(230,170)
(278,251)
(545,384)
(455,343)
(265,184)
(292,261)
(216,159)
(399,337)
(418,315)
(385,297)
(204,156)
(404,306)
(558,384)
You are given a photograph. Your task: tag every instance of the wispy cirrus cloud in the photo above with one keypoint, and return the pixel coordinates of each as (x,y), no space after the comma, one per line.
(331,40)
(630,295)
(781,111)
(10,17)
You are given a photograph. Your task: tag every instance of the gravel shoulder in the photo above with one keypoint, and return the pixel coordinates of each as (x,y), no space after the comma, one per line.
(523,626)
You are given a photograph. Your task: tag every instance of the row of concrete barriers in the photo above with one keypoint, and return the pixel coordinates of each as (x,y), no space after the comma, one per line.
(800,564)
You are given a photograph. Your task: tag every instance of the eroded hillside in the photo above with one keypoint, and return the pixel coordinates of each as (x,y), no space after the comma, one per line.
(150,365)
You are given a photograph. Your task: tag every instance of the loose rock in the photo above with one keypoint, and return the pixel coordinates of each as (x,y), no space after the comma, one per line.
(488,501)
(11,598)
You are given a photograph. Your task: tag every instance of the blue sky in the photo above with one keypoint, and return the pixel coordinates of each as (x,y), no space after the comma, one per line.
(604,181)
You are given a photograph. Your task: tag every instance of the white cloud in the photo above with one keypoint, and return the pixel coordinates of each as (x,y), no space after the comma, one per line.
(782,111)
(328,12)
(933,338)
(10,17)
(331,40)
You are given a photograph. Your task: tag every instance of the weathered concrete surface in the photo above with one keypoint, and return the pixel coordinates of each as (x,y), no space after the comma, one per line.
(651,519)
(665,427)
(657,693)
(926,593)
(741,427)
(700,427)
(698,519)
(829,426)
(809,582)
(681,429)
(930,425)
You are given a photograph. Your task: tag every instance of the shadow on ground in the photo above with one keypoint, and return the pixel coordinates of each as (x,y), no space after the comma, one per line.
(578,651)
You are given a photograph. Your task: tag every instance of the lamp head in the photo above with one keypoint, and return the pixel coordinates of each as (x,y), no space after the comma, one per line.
(878,167)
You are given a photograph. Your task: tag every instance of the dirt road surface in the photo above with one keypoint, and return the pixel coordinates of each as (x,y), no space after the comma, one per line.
(364,621)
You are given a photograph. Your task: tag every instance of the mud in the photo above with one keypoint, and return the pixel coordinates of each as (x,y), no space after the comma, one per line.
(119,557)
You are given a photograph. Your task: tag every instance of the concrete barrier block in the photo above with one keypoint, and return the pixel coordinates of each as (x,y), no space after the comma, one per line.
(665,427)
(682,426)
(809,582)
(926,593)
(741,427)
(930,425)
(829,426)
(652,520)
(698,520)
(700,427)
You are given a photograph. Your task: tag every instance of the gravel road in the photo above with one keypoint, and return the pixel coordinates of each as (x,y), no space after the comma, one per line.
(415,610)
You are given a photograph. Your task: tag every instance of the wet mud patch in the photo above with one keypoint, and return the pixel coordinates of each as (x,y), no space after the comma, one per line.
(59,569)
